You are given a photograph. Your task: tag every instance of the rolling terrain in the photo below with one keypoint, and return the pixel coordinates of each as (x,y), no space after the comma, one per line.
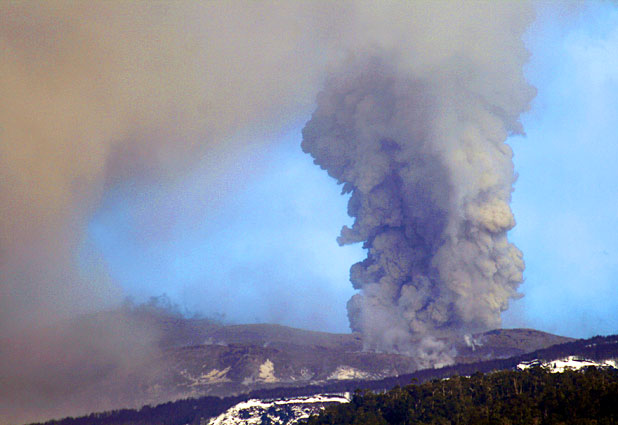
(240,358)
(599,351)
(199,357)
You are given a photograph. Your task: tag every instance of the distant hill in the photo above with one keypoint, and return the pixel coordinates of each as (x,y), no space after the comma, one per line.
(195,357)
(214,359)
(193,410)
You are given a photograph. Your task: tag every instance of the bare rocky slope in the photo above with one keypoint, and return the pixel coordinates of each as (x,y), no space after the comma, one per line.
(213,359)
(200,358)
(283,405)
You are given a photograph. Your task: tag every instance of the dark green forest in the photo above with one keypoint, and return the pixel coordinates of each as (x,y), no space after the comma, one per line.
(533,396)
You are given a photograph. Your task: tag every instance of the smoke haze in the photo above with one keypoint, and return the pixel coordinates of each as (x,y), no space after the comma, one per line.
(419,100)
(96,94)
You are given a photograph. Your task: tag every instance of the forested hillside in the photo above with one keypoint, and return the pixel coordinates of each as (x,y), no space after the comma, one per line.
(196,410)
(533,396)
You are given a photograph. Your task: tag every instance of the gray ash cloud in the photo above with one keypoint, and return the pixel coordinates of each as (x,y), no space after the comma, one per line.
(101,94)
(419,143)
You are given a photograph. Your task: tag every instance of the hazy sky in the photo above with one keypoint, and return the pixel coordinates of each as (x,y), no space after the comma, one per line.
(154,148)
(566,198)
(264,250)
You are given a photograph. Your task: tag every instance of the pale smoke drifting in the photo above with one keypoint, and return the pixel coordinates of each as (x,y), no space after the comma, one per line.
(97,94)
(415,130)
(93,94)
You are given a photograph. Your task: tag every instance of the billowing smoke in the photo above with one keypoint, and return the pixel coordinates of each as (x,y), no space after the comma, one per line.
(415,130)
(97,95)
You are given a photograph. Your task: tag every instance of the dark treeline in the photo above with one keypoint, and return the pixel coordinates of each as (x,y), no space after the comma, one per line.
(192,411)
(533,396)
(180,412)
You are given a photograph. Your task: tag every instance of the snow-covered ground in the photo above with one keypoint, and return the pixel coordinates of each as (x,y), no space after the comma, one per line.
(291,411)
(267,372)
(346,372)
(570,362)
(284,411)
(214,376)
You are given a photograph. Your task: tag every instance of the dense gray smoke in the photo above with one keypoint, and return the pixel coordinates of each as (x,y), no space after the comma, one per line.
(97,95)
(419,142)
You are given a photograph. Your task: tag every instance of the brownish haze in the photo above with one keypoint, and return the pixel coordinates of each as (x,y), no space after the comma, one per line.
(94,94)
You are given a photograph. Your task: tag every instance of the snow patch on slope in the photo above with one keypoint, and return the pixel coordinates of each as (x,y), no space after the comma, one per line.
(215,376)
(346,372)
(570,362)
(267,372)
(284,411)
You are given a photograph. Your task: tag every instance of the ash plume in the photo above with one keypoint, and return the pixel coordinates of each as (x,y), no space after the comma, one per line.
(415,129)
(96,95)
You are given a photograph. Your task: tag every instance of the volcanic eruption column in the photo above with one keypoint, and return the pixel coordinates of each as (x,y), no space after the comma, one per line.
(422,151)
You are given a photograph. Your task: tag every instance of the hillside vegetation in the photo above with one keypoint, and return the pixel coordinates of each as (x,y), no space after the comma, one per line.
(533,396)
(195,411)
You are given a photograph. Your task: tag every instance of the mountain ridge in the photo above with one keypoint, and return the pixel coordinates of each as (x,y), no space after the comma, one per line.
(194,410)
(199,357)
